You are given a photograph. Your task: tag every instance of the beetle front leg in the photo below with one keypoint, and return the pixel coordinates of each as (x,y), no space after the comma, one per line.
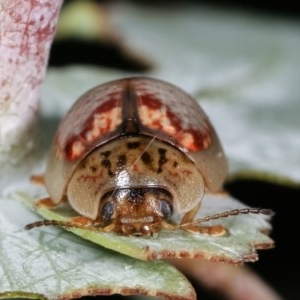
(48,202)
(45,202)
(87,223)
(187,223)
(214,230)
(190,215)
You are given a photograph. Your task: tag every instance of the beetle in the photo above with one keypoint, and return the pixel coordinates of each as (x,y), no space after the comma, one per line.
(133,156)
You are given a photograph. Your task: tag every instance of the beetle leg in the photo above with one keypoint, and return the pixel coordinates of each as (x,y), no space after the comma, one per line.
(168,226)
(82,221)
(108,228)
(218,230)
(188,225)
(38,179)
(215,230)
(190,215)
(88,223)
(46,202)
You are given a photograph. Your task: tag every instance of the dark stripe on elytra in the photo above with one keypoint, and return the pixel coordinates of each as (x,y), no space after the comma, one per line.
(162,159)
(133,145)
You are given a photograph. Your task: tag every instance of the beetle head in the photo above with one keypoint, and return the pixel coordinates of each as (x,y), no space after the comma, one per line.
(136,211)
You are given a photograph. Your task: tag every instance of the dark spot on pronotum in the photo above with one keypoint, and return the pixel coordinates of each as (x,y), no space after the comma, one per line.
(162,159)
(133,145)
(146,158)
(107,165)
(121,162)
(82,165)
(175,164)
(93,168)
(106,154)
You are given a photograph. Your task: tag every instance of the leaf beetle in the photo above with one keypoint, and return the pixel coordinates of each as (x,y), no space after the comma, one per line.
(133,156)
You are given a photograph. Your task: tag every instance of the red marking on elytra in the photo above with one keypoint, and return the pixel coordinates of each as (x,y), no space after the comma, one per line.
(192,139)
(90,133)
(151,101)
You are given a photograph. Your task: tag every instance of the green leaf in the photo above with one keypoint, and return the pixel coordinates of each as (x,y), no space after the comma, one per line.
(56,264)
(21,295)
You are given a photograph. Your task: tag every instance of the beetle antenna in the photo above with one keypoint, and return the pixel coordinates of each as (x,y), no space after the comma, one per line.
(229,213)
(64,224)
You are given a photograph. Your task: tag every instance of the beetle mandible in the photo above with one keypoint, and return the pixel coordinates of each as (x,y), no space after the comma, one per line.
(134,156)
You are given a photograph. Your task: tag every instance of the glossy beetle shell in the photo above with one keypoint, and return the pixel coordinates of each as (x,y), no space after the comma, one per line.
(131,108)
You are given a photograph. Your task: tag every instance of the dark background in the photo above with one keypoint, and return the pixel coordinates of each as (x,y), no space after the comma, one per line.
(278,267)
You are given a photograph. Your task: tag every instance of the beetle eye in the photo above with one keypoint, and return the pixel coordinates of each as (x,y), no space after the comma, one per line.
(107,211)
(166,209)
